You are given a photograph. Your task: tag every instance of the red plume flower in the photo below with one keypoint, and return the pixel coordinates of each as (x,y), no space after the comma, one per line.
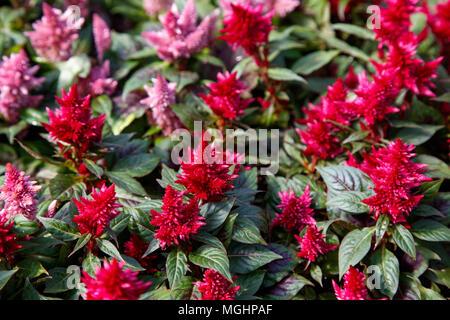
(8,240)
(394,175)
(216,287)
(72,123)
(136,248)
(96,214)
(296,211)
(177,221)
(312,244)
(112,282)
(354,286)
(225,96)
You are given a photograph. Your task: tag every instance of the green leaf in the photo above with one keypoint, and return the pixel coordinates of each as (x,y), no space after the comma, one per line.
(93,168)
(353,248)
(430,230)
(429,190)
(418,134)
(443,98)
(350,202)
(82,241)
(314,61)
(215,213)
(65,186)
(30,268)
(138,165)
(405,240)
(345,47)
(245,231)
(59,229)
(282,74)
(182,289)
(228,229)
(249,283)
(108,248)
(168,177)
(436,168)
(23,226)
(381,227)
(389,269)
(288,288)
(5,276)
(124,181)
(246,258)
(316,273)
(212,258)
(76,66)
(90,263)
(358,31)
(209,239)
(176,266)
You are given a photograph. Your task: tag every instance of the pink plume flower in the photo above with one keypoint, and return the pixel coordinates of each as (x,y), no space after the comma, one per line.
(354,286)
(18,194)
(153,7)
(312,243)
(180,36)
(8,240)
(97,82)
(225,96)
(54,34)
(102,35)
(296,211)
(16,81)
(216,287)
(94,215)
(160,97)
(280,7)
(113,282)
(393,175)
(177,221)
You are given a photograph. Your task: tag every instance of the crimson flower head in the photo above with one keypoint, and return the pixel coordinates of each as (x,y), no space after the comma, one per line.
(216,287)
(72,123)
(177,221)
(296,211)
(95,215)
(440,21)
(19,194)
(246,26)
(112,282)
(136,249)
(280,7)
(16,81)
(54,34)
(8,240)
(225,96)
(354,286)
(312,243)
(393,175)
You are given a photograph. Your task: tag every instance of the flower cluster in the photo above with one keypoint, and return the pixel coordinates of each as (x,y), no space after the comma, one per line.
(312,243)
(177,221)
(280,7)
(136,249)
(94,215)
(393,175)
(216,287)
(16,81)
(225,96)
(102,35)
(8,240)
(180,36)
(54,34)
(18,194)
(97,82)
(354,286)
(153,7)
(112,282)
(159,99)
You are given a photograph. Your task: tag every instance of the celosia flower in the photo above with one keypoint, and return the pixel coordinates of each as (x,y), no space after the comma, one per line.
(112,282)
(16,81)
(440,21)
(280,7)
(354,286)
(180,36)
(83,6)
(296,211)
(225,96)
(102,35)
(19,194)
(94,215)
(8,240)
(393,175)
(97,83)
(136,249)
(247,27)
(153,7)
(177,221)
(312,243)
(72,123)
(206,173)
(216,287)
(160,97)
(54,34)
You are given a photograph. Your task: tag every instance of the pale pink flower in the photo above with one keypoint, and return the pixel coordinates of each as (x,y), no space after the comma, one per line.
(160,97)
(97,83)
(153,7)
(54,34)
(180,36)
(18,194)
(16,81)
(280,7)
(102,35)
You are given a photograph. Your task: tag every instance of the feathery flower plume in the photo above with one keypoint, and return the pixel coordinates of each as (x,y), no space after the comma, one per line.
(72,123)
(112,282)
(153,7)
(54,34)
(19,194)
(8,240)
(16,81)
(159,99)
(225,96)
(94,215)
(136,249)
(180,36)
(97,82)
(312,243)
(102,35)
(177,220)
(354,286)
(280,7)
(216,287)
(393,175)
